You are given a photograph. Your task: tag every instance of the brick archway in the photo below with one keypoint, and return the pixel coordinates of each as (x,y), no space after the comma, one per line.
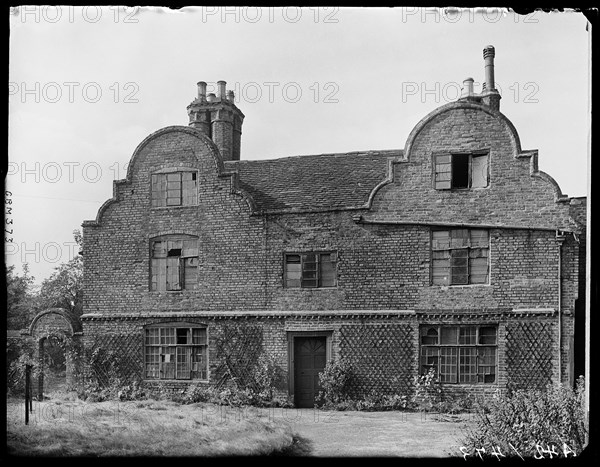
(56,322)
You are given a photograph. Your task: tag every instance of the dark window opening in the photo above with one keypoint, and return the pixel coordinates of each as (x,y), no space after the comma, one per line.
(460,171)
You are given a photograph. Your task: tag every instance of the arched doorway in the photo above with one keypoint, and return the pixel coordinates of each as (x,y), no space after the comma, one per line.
(52,358)
(57,335)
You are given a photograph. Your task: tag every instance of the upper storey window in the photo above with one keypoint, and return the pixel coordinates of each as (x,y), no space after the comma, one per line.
(174,264)
(174,189)
(310,270)
(460,256)
(460,171)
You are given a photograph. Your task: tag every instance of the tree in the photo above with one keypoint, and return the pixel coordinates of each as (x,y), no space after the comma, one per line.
(64,288)
(20,298)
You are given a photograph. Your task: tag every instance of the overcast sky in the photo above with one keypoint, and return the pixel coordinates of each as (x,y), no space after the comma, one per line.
(88,85)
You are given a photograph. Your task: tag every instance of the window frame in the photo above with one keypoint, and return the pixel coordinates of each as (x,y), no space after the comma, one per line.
(182,267)
(203,353)
(185,198)
(470,257)
(425,352)
(318,271)
(453,154)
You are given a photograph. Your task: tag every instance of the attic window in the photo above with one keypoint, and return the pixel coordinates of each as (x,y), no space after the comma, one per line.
(460,171)
(174,189)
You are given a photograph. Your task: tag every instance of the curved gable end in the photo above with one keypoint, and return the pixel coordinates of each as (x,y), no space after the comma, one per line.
(463,164)
(172,148)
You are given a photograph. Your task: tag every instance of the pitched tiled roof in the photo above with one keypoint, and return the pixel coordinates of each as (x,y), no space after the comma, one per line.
(325,181)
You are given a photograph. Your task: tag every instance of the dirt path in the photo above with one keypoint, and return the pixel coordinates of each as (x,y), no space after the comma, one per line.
(334,434)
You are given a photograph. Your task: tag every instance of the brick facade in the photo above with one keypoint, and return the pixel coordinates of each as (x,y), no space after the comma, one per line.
(376,210)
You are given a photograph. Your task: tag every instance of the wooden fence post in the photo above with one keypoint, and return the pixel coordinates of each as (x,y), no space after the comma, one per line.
(27,393)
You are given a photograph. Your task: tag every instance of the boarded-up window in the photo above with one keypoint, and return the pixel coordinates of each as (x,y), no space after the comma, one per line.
(460,171)
(174,263)
(459,256)
(310,270)
(459,354)
(176,353)
(174,189)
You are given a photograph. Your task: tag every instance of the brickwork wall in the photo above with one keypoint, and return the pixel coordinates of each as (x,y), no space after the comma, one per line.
(383,350)
(117,253)
(383,261)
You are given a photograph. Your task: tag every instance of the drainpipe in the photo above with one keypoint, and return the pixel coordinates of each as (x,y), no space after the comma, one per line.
(560,238)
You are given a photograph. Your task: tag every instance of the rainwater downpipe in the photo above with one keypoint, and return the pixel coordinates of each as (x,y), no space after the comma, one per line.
(560,238)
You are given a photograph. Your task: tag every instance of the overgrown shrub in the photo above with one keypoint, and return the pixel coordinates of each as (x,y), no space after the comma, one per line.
(335,380)
(428,392)
(266,377)
(525,421)
(15,380)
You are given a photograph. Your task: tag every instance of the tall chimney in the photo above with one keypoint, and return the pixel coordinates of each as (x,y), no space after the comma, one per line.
(218,118)
(488,56)
(490,95)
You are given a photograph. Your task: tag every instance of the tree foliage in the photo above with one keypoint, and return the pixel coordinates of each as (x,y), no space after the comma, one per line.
(64,288)
(20,298)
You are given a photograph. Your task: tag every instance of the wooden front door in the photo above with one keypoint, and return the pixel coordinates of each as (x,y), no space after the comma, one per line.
(310,355)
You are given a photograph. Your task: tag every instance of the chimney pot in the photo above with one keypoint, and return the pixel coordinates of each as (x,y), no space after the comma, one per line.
(202,91)
(221,89)
(230,96)
(467,87)
(211,97)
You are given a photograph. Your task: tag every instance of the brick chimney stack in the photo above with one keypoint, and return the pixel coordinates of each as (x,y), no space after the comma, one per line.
(218,118)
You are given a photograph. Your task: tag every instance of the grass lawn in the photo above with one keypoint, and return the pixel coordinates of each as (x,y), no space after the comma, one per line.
(63,427)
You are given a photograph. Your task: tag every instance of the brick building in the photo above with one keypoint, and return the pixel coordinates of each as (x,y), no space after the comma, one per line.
(455,253)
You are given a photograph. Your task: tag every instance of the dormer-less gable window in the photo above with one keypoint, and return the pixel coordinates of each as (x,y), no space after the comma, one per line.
(460,171)
(174,189)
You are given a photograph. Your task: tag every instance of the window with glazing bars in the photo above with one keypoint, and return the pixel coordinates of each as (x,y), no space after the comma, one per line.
(174,263)
(174,189)
(176,353)
(460,256)
(460,171)
(460,354)
(310,270)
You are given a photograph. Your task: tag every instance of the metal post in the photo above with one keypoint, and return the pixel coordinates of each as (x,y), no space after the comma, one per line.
(27,393)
